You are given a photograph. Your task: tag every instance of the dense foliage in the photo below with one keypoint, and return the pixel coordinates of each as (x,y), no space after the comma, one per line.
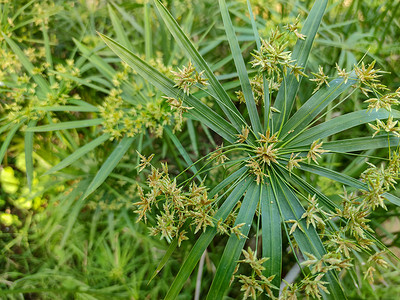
(178,149)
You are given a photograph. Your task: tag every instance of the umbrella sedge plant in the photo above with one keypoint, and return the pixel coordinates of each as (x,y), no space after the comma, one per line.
(268,148)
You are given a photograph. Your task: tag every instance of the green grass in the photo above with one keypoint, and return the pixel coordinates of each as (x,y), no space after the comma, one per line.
(69,230)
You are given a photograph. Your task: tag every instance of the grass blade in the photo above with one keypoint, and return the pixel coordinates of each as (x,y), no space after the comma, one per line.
(68,108)
(66,125)
(129,18)
(7,141)
(241,68)
(165,258)
(41,82)
(109,165)
(192,135)
(233,248)
(122,37)
(29,154)
(181,150)
(96,60)
(342,178)
(316,104)
(291,177)
(308,241)
(363,143)
(301,52)
(340,124)
(79,153)
(271,235)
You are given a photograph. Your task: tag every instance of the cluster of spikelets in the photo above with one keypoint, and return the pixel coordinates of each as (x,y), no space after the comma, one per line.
(122,118)
(174,206)
(20,92)
(188,77)
(274,60)
(22,101)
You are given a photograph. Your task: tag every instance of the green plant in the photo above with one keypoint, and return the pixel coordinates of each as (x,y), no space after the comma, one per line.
(268,152)
(110,143)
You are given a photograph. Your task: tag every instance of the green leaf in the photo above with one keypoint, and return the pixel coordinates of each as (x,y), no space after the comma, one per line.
(340,124)
(122,37)
(192,135)
(109,165)
(241,68)
(233,248)
(66,125)
(301,51)
(96,60)
(129,17)
(73,210)
(266,97)
(227,181)
(68,108)
(205,239)
(148,40)
(363,143)
(7,141)
(165,259)
(199,112)
(316,104)
(291,177)
(79,153)
(181,150)
(41,82)
(308,241)
(271,235)
(215,86)
(342,178)
(82,82)
(29,154)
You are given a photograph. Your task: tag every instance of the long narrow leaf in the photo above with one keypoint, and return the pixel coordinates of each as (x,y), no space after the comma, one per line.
(109,165)
(363,143)
(205,239)
(241,68)
(308,239)
(68,108)
(233,248)
(41,82)
(309,110)
(340,124)
(215,86)
(342,178)
(122,37)
(66,125)
(79,153)
(271,235)
(301,52)
(7,141)
(181,150)
(29,154)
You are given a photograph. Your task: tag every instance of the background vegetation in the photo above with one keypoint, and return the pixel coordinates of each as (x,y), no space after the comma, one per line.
(69,230)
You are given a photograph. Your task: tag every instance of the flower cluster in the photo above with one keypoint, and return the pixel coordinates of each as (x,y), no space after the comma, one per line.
(257,283)
(22,97)
(122,118)
(174,206)
(187,77)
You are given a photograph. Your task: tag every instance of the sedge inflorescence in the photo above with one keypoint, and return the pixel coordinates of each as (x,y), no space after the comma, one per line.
(343,230)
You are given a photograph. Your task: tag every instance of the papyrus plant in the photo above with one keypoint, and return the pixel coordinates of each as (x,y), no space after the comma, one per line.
(277,145)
